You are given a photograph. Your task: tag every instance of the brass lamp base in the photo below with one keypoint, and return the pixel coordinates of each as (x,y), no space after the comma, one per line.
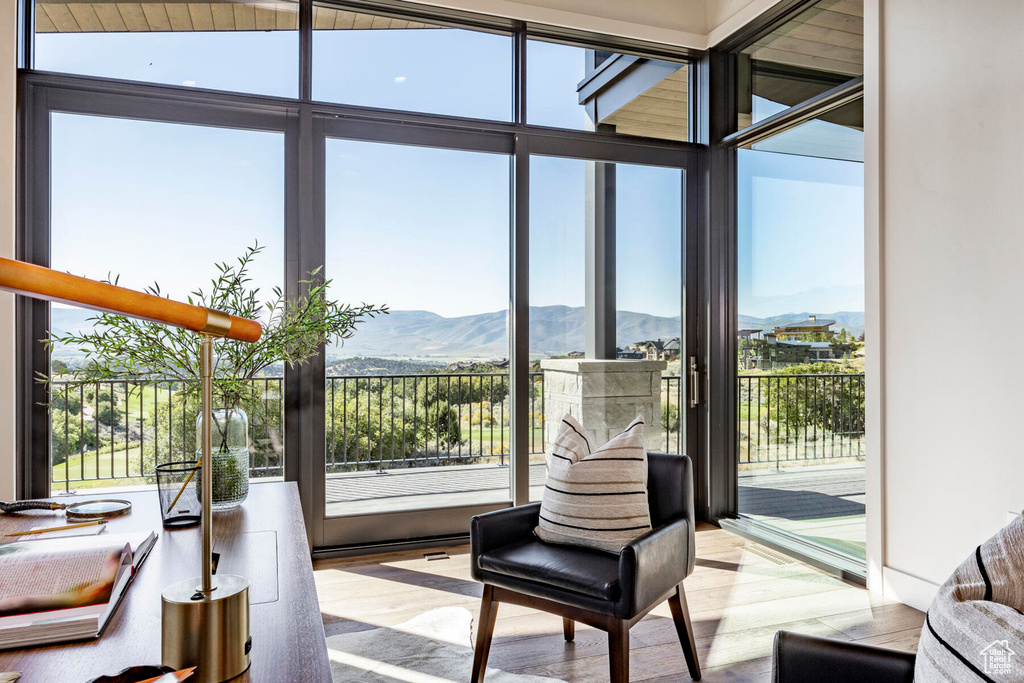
(210,631)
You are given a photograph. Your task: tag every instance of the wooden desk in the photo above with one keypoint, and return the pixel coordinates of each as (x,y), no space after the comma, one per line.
(287,630)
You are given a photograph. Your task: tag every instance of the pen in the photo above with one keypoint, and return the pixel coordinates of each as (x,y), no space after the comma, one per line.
(190,475)
(58,528)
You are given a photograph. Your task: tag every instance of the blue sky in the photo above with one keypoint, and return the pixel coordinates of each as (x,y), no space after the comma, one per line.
(415,228)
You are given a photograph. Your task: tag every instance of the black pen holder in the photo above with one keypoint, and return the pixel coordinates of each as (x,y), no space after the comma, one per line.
(176,484)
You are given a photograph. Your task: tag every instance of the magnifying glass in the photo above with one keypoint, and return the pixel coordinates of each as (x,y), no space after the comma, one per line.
(82,511)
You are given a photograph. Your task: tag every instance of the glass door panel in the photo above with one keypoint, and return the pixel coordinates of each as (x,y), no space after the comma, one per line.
(649,284)
(417,401)
(606,302)
(800,383)
(558,230)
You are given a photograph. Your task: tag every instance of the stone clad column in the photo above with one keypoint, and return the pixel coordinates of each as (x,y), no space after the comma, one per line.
(604,395)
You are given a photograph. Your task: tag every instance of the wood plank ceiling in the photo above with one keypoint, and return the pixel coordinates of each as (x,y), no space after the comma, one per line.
(817,50)
(113,17)
(659,112)
(828,37)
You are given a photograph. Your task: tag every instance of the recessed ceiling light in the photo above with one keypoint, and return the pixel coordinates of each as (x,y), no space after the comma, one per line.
(399,79)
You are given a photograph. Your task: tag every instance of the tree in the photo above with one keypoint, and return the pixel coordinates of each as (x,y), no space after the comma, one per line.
(294,330)
(842,343)
(69,434)
(63,400)
(669,417)
(443,421)
(366,427)
(109,414)
(833,402)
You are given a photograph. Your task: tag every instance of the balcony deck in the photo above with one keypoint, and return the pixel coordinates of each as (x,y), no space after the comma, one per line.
(821,503)
(825,503)
(421,488)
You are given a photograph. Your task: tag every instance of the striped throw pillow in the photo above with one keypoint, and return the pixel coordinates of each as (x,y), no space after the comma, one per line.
(595,497)
(974,629)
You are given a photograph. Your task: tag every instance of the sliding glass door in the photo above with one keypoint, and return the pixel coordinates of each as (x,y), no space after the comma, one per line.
(800,376)
(606,250)
(800,342)
(417,400)
(419,417)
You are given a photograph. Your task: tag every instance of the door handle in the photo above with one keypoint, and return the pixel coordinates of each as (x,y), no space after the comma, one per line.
(694,383)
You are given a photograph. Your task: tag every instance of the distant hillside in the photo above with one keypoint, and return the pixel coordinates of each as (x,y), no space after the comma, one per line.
(554,330)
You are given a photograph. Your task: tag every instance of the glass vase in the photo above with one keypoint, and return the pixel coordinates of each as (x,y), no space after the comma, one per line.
(230,462)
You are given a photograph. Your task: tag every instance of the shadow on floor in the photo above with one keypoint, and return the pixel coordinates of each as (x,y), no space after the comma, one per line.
(795,504)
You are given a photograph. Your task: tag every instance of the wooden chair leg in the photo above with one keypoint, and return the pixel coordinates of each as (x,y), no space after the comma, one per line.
(618,651)
(684,627)
(569,629)
(484,632)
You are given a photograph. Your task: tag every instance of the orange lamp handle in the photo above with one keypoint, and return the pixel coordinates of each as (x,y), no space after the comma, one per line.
(50,285)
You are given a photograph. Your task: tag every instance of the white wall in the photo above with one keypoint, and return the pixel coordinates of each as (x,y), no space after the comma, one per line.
(950,253)
(8,52)
(724,17)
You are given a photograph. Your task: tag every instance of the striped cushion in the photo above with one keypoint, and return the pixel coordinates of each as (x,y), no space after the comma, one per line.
(595,497)
(974,630)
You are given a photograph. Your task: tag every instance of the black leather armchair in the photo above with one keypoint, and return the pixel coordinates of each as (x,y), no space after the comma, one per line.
(606,591)
(808,659)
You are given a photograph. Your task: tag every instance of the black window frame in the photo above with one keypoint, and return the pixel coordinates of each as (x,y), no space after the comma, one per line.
(305,124)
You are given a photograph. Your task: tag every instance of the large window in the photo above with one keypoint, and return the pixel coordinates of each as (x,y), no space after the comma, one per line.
(397,154)
(156,205)
(649,283)
(379,61)
(236,45)
(799,325)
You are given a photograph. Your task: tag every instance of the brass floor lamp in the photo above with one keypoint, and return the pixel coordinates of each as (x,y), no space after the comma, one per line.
(205,620)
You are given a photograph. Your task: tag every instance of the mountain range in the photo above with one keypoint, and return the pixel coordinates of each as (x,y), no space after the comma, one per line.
(554,330)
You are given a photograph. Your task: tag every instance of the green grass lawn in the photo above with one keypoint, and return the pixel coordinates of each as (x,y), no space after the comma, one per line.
(493,435)
(748,412)
(99,468)
(150,398)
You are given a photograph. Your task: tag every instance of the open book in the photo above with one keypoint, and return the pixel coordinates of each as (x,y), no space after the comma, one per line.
(56,590)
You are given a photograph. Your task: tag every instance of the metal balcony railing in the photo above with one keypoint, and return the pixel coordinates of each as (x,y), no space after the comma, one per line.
(789,418)
(113,433)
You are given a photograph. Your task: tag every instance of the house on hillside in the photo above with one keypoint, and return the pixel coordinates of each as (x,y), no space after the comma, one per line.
(749,333)
(658,349)
(782,353)
(629,353)
(810,326)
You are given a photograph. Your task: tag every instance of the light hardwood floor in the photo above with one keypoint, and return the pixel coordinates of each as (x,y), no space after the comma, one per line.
(739,595)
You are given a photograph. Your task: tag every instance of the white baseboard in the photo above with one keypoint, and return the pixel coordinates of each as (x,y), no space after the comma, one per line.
(908,589)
